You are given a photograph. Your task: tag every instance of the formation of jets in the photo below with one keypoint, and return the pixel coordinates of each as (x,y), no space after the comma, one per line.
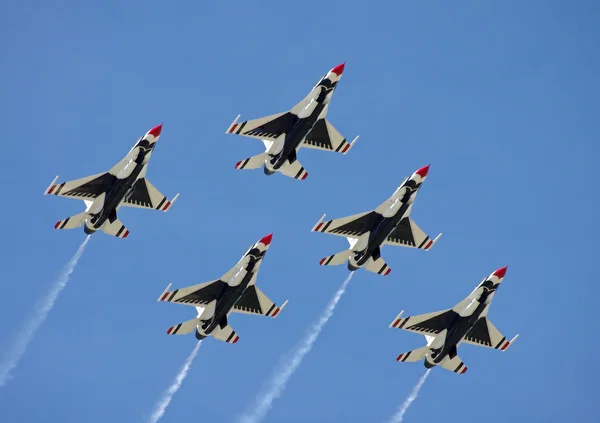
(283,135)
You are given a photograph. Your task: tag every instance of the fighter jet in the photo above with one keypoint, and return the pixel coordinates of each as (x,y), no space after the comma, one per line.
(465,322)
(388,224)
(283,134)
(235,291)
(104,193)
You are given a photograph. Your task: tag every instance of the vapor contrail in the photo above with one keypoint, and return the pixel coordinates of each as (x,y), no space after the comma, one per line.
(282,376)
(162,405)
(399,416)
(14,353)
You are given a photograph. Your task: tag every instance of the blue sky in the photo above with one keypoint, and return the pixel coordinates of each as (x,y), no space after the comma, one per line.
(501,99)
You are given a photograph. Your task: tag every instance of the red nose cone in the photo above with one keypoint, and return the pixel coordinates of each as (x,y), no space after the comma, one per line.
(266,240)
(423,171)
(500,272)
(339,69)
(156,130)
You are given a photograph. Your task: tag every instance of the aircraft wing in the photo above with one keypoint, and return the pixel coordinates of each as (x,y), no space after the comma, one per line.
(485,334)
(254,301)
(203,293)
(426,324)
(266,128)
(325,137)
(145,195)
(408,234)
(83,188)
(351,226)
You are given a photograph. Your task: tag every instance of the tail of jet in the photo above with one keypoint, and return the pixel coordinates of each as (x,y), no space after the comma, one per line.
(115,228)
(291,169)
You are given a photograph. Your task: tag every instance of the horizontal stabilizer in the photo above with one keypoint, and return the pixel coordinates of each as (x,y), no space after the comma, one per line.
(71,222)
(336,259)
(414,355)
(294,170)
(454,364)
(183,328)
(115,228)
(378,266)
(226,334)
(253,162)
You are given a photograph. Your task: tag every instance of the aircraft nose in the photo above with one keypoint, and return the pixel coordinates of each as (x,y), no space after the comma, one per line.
(156,130)
(266,240)
(339,69)
(500,272)
(423,171)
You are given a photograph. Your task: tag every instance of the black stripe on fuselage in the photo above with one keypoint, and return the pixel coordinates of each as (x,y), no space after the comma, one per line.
(380,233)
(230,297)
(116,193)
(457,332)
(298,133)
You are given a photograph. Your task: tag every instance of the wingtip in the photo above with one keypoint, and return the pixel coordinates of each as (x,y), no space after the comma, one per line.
(432,243)
(169,204)
(233,125)
(318,224)
(423,171)
(164,293)
(266,240)
(396,321)
(155,132)
(339,69)
(507,346)
(500,272)
(52,186)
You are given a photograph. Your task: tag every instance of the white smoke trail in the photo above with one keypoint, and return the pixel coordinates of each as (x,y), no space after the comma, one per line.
(399,416)
(281,377)
(14,354)
(162,405)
